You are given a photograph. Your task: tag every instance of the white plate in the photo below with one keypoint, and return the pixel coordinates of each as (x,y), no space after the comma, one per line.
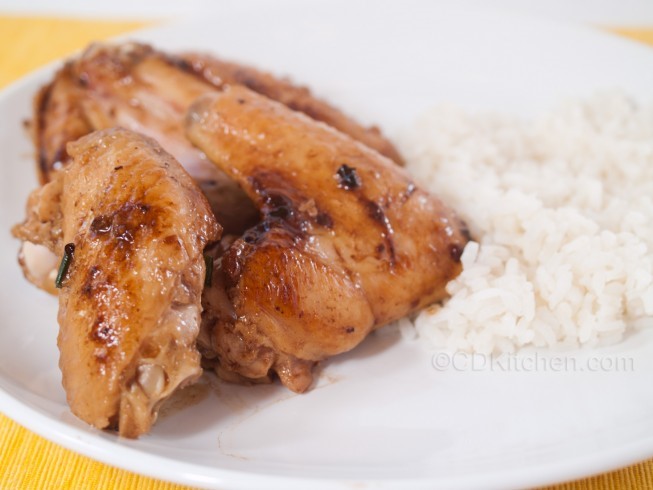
(381,416)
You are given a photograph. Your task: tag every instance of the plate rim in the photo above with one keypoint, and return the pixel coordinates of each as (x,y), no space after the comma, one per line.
(89,443)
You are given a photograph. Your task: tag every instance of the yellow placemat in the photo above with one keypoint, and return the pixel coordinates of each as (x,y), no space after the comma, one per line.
(28,461)
(641,34)
(30,42)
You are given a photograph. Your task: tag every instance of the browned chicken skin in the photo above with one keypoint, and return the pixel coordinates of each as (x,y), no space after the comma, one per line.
(298,98)
(58,119)
(129,308)
(347,243)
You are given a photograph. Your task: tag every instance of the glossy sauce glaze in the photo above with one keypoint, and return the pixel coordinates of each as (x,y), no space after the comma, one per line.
(134,225)
(347,241)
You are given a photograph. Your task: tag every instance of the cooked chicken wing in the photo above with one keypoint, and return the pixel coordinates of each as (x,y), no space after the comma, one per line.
(296,97)
(135,226)
(347,242)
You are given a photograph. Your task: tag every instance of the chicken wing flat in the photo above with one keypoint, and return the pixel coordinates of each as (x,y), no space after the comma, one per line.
(296,97)
(134,226)
(347,242)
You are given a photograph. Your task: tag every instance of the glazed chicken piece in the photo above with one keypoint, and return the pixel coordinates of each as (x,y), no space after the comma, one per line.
(134,225)
(347,242)
(296,97)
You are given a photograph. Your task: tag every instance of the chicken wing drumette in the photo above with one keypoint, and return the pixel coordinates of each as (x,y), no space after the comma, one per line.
(347,242)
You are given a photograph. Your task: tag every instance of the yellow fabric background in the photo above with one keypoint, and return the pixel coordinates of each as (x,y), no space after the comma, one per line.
(28,461)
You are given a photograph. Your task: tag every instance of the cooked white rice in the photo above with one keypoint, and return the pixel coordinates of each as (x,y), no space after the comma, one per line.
(561,210)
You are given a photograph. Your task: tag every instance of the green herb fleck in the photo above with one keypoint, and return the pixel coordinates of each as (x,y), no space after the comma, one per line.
(68,253)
